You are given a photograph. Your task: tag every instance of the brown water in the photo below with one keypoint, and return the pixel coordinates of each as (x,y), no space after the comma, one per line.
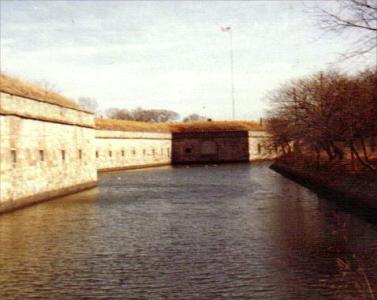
(220,232)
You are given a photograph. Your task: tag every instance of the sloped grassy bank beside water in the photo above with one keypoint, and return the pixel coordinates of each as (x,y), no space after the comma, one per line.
(355,189)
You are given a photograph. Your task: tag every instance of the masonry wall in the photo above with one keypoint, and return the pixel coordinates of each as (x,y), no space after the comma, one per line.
(231,146)
(259,146)
(199,147)
(46,150)
(49,150)
(124,150)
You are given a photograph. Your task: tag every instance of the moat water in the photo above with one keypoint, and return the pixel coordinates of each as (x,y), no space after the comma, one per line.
(236,231)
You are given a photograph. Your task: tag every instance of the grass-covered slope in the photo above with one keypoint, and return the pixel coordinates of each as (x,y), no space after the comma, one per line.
(17,87)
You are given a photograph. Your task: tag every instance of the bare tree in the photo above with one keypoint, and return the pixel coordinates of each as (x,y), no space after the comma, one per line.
(48,86)
(88,103)
(154,115)
(194,118)
(326,113)
(143,115)
(119,114)
(352,15)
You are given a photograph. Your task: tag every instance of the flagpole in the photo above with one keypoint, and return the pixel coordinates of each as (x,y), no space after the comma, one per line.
(229,29)
(232,73)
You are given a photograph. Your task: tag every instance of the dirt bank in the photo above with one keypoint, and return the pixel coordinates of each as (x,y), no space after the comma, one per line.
(349,189)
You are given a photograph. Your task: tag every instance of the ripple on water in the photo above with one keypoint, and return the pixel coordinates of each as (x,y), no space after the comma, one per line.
(226,232)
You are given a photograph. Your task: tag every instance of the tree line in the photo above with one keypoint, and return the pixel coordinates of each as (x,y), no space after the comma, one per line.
(328,113)
(150,115)
(137,114)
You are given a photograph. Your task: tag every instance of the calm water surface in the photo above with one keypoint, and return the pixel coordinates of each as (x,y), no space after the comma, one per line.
(217,232)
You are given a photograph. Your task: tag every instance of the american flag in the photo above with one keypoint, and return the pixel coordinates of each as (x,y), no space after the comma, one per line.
(225,29)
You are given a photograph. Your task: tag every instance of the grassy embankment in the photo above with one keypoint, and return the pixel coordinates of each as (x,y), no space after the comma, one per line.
(20,88)
(345,180)
(177,127)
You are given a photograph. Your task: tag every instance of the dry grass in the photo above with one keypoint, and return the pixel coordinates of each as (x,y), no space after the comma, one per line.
(20,88)
(113,124)
(215,126)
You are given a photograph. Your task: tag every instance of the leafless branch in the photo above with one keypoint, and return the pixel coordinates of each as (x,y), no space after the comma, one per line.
(360,15)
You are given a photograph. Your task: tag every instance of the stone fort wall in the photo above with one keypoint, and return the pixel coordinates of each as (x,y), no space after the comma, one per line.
(46,150)
(125,150)
(49,150)
(259,146)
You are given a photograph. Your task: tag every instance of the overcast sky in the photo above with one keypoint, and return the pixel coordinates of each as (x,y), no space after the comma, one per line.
(169,55)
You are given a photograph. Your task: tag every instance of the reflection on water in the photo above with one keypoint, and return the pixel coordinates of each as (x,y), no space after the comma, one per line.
(217,232)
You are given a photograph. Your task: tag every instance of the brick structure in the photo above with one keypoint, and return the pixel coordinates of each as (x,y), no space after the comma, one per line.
(202,147)
(220,146)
